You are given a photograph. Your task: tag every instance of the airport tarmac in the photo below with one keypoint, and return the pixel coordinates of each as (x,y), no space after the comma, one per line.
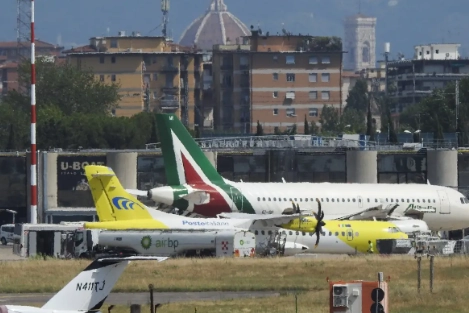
(143,297)
(6,253)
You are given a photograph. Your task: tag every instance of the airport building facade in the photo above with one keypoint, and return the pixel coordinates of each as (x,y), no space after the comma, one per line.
(64,194)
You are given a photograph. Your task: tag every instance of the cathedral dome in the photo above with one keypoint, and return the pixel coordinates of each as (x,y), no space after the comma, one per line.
(216,26)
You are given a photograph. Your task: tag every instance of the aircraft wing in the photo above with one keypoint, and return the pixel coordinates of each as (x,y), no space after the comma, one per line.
(369,213)
(265,219)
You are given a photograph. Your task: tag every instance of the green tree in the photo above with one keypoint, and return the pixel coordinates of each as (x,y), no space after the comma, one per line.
(259,131)
(314,129)
(292,130)
(358,97)
(306,127)
(67,87)
(352,121)
(329,119)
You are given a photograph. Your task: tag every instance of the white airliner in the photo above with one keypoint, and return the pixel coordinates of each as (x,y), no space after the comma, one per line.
(87,291)
(195,185)
(134,226)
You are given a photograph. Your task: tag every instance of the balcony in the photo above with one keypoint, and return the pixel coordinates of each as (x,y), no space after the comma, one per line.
(169,104)
(169,68)
(170,90)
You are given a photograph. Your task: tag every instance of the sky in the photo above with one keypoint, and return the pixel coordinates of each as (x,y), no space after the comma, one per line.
(403,23)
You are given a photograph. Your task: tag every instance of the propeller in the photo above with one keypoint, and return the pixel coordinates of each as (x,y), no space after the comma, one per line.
(320,223)
(319,217)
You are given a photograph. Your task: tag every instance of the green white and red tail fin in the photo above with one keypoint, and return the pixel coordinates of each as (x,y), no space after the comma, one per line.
(185,162)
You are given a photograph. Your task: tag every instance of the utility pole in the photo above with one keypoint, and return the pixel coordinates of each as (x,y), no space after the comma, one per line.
(457,111)
(387,50)
(457,103)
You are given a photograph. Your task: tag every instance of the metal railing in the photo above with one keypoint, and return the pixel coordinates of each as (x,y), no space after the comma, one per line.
(311,142)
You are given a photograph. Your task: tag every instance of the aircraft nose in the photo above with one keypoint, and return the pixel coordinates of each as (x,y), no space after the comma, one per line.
(162,195)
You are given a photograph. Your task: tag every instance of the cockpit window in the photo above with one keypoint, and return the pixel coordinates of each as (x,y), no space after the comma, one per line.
(464,200)
(394,230)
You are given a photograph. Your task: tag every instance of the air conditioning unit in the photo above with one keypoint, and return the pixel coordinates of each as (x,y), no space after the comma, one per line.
(341,294)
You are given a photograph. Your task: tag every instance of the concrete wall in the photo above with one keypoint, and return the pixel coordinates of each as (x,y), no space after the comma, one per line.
(362,167)
(50,177)
(124,165)
(442,167)
(212,157)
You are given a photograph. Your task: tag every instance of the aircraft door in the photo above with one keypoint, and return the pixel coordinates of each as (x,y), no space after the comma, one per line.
(349,234)
(237,200)
(444,202)
(360,202)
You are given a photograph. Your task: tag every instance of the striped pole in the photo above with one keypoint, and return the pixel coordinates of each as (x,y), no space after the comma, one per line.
(33,124)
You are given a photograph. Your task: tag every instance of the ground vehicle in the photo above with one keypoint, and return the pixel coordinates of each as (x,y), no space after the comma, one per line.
(7,233)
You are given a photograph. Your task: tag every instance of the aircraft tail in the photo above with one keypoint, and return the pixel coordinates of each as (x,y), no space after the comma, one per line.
(185,162)
(90,288)
(112,201)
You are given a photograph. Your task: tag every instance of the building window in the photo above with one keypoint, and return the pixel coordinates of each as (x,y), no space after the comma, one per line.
(155,94)
(325,77)
(275,58)
(113,59)
(313,112)
(313,95)
(275,76)
(155,76)
(153,60)
(325,95)
(313,77)
(113,43)
(101,78)
(290,111)
(243,60)
(313,60)
(275,94)
(113,77)
(290,59)
(101,59)
(275,111)
(326,60)
(437,51)
(290,77)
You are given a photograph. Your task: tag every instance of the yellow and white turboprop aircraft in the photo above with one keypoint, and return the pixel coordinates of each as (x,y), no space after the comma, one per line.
(119,210)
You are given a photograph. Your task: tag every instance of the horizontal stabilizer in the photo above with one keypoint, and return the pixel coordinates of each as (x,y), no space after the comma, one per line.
(197,197)
(136,192)
(132,258)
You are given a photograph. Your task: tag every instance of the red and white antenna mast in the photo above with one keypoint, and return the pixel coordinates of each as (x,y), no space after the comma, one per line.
(33,173)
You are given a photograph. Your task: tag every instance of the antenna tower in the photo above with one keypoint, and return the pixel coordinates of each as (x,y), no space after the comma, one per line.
(23,30)
(165,11)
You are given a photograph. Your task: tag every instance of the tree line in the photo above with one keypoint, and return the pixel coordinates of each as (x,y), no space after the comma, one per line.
(74,110)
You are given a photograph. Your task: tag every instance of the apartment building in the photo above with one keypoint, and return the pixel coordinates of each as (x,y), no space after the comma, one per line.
(433,66)
(11,53)
(277,80)
(153,73)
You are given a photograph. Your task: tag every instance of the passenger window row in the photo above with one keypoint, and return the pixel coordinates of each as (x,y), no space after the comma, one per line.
(297,233)
(376,200)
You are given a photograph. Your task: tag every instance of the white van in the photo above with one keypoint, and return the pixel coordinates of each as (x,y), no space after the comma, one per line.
(7,233)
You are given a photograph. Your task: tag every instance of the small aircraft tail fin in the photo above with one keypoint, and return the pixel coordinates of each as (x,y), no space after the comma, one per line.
(185,162)
(112,201)
(90,288)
